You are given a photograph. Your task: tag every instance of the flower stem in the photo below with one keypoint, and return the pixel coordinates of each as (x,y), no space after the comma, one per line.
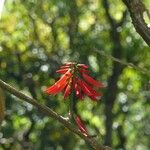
(72,106)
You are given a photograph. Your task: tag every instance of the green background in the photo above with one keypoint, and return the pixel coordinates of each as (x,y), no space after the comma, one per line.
(37,36)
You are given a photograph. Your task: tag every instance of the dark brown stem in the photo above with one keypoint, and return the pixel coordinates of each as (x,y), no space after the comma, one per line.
(73,110)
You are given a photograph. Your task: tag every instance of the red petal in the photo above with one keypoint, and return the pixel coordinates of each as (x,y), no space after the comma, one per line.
(84,71)
(83,66)
(51,88)
(92,81)
(77,90)
(63,85)
(81,96)
(56,85)
(76,87)
(95,98)
(67,91)
(59,88)
(62,71)
(55,88)
(64,67)
(81,125)
(89,91)
(92,90)
(84,88)
(69,63)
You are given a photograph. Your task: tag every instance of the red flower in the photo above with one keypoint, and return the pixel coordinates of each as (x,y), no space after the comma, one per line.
(81,125)
(90,80)
(76,79)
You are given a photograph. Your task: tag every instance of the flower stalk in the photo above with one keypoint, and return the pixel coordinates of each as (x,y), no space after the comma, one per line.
(72,107)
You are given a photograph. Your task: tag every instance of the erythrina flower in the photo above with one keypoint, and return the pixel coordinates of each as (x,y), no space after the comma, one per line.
(81,125)
(75,78)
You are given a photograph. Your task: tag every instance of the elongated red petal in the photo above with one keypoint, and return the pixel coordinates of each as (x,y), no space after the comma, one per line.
(61,87)
(95,98)
(92,81)
(89,91)
(64,77)
(81,125)
(78,90)
(54,88)
(67,91)
(51,88)
(81,94)
(84,88)
(92,90)
(84,71)
(58,88)
(83,66)
(62,71)
(75,87)
(64,67)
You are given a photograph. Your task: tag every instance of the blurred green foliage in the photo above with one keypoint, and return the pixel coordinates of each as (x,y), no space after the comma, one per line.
(36,37)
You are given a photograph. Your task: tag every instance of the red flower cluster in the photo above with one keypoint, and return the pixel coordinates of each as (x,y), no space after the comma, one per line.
(76,79)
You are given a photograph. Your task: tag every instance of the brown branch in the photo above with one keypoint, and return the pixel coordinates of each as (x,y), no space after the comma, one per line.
(128,64)
(136,9)
(49,112)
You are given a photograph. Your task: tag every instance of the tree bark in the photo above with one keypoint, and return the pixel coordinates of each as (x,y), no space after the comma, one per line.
(111,93)
(136,9)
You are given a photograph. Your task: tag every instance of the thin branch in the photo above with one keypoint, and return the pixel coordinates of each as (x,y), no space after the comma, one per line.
(49,112)
(142,70)
(136,9)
